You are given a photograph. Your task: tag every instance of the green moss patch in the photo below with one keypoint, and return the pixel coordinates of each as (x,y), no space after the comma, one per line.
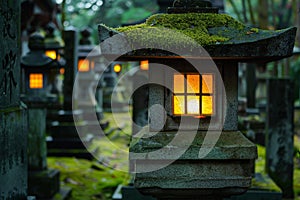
(189,30)
(87,179)
(183,28)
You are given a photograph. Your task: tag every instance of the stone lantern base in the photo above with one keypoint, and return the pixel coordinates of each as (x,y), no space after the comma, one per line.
(226,170)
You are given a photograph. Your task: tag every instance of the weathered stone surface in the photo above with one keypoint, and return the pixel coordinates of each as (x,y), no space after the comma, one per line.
(221,40)
(230,80)
(13,153)
(9,51)
(13,119)
(280,134)
(226,169)
(230,145)
(37,149)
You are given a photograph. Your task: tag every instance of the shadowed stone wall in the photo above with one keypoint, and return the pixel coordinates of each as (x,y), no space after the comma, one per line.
(13,125)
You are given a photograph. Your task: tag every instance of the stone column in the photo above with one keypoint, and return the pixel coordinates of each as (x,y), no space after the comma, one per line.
(279,134)
(251,85)
(37,150)
(65,139)
(71,47)
(13,126)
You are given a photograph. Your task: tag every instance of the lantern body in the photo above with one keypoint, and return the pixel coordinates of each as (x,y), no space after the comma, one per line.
(196,94)
(39,75)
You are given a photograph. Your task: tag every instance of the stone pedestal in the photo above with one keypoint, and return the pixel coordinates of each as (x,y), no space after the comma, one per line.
(43,183)
(225,171)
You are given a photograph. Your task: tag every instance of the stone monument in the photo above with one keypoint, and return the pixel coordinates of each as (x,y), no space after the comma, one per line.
(13,115)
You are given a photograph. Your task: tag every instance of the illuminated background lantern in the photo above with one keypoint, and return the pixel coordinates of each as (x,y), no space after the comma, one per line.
(37,69)
(53,44)
(86,61)
(191,95)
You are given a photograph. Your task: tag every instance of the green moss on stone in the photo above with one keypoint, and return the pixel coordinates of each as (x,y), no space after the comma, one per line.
(187,30)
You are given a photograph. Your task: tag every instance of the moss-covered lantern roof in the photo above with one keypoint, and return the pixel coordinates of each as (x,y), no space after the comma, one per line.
(221,35)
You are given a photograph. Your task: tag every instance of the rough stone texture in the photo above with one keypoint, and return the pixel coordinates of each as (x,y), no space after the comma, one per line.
(13,153)
(140,100)
(280,132)
(229,165)
(230,145)
(9,51)
(230,80)
(13,124)
(156,99)
(37,149)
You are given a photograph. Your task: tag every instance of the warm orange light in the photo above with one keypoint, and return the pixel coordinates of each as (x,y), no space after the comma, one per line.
(207,83)
(117,68)
(193,85)
(179,105)
(178,83)
(207,105)
(36,81)
(52,54)
(144,65)
(62,71)
(83,65)
(193,94)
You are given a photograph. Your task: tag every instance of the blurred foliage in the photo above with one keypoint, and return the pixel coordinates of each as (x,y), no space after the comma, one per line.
(119,12)
(114,13)
(280,13)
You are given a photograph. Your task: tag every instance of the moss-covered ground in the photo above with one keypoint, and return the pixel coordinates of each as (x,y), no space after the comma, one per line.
(97,181)
(260,168)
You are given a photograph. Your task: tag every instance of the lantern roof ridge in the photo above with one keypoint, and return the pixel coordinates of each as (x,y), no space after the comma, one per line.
(37,59)
(219,34)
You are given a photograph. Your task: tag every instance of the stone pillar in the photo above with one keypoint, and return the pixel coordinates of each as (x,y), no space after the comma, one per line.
(65,139)
(71,41)
(251,85)
(37,150)
(279,134)
(13,126)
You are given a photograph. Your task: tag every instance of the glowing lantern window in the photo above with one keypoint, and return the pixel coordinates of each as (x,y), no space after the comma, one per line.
(83,65)
(193,94)
(144,65)
(117,68)
(52,54)
(36,81)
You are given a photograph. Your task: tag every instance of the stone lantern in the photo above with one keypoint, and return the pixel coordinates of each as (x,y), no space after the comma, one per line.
(37,70)
(53,45)
(90,66)
(43,183)
(54,49)
(192,148)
